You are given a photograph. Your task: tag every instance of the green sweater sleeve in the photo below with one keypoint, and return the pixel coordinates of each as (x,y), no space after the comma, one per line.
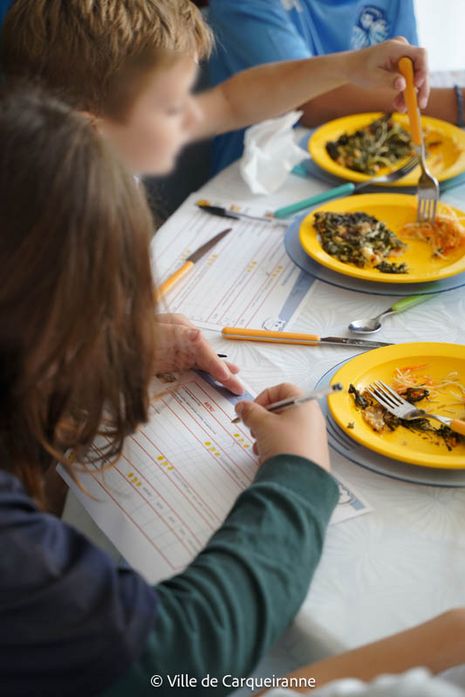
(232,603)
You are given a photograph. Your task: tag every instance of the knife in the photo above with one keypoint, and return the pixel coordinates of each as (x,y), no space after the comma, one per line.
(189,263)
(298,339)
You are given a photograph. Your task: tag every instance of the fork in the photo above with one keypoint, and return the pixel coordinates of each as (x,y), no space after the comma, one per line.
(345,190)
(397,405)
(428,186)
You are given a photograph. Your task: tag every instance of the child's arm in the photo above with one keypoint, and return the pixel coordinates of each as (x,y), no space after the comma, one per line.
(229,607)
(350,99)
(438,644)
(269,90)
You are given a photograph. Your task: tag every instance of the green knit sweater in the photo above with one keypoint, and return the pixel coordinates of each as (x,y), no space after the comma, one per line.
(226,610)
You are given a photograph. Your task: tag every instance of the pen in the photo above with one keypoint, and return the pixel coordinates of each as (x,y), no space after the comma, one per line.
(222,212)
(284,404)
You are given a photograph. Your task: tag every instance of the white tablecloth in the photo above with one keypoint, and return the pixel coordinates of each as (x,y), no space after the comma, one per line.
(405,561)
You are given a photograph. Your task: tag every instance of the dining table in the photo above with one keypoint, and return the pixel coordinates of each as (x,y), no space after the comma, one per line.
(404,561)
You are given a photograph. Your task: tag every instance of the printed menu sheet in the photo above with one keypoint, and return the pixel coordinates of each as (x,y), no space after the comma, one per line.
(178,478)
(247,280)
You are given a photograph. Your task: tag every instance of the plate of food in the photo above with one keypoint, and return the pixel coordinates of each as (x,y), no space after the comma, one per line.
(375,237)
(363,146)
(431,376)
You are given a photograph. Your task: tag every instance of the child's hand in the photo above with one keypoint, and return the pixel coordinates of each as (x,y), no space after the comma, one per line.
(297,431)
(180,346)
(377,67)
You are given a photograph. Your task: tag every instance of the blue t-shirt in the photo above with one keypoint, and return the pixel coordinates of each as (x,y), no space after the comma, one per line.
(252,32)
(4,7)
(71,621)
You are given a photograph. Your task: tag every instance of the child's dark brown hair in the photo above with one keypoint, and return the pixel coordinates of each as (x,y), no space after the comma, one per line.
(76,300)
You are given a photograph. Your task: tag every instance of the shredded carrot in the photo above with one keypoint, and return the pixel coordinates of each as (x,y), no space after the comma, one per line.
(445,235)
(409,377)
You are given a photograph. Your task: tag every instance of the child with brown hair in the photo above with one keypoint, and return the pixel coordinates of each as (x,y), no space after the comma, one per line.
(78,348)
(132,64)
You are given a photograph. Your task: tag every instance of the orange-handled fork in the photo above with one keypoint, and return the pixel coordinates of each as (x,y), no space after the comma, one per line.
(428,186)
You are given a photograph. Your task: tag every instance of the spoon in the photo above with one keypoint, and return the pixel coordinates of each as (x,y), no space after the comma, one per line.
(369,326)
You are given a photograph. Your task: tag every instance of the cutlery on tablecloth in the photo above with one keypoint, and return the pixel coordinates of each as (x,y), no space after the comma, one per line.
(189,263)
(296,338)
(222,212)
(345,190)
(370,326)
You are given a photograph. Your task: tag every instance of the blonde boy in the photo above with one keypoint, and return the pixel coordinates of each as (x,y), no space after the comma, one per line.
(132,64)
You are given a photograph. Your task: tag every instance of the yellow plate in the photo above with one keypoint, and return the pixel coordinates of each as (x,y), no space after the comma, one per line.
(394,210)
(445,161)
(402,444)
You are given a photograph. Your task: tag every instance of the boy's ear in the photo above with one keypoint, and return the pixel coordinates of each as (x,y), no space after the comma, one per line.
(95,121)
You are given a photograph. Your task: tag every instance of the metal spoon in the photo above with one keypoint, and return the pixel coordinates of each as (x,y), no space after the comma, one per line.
(369,326)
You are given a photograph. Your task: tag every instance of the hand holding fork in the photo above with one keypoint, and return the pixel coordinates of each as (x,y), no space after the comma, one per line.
(428,186)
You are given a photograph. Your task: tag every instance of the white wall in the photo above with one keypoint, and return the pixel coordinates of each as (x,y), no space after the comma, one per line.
(441,29)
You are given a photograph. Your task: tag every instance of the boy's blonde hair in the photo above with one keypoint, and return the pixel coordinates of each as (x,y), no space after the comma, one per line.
(85,50)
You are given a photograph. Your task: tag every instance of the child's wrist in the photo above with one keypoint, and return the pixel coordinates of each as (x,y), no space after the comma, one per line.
(347,65)
(333,67)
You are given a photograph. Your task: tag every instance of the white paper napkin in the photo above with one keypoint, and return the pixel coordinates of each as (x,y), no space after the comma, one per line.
(270,153)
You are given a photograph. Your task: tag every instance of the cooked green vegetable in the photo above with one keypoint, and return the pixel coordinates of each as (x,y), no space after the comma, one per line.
(379,418)
(391,267)
(359,400)
(382,143)
(360,239)
(416,394)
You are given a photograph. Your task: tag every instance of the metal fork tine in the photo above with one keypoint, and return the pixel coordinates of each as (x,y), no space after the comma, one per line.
(419,209)
(382,399)
(422,215)
(380,396)
(428,195)
(392,392)
(429,204)
(386,398)
(381,387)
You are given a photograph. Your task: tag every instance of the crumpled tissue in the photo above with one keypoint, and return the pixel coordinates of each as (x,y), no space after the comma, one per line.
(270,153)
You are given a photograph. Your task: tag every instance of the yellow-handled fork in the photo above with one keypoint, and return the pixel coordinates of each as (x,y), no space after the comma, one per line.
(428,186)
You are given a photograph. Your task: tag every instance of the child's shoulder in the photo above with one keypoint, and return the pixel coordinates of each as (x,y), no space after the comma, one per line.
(63,600)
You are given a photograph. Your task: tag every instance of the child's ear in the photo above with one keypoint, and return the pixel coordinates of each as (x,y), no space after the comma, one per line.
(94,120)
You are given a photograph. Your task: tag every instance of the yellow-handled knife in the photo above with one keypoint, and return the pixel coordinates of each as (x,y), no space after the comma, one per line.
(296,338)
(189,263)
